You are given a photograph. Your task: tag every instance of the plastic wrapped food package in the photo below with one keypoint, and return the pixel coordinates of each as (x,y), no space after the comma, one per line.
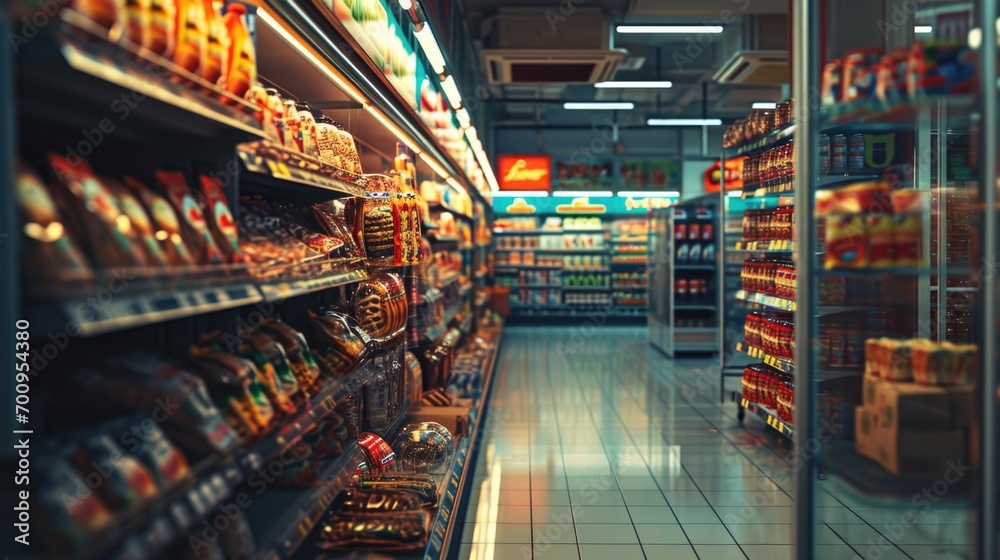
(333,220)
(382,531)
(237,391)
(299,355)
(220,218)
(93,216)
(50,251)
(146,441)
(165,222)
(424,447)
(173,185)
(339,342)
(126,482)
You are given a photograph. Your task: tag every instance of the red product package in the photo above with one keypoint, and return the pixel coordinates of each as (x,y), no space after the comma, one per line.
(379,455)
(220,218)
(140,222)
(176,189)
(165,222)
(94,215)
(126,481)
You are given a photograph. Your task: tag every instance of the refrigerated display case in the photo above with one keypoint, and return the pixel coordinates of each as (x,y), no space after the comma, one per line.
(870,338)
(683,288)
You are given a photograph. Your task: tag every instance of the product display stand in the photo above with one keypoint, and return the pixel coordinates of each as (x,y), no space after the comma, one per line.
(684,310)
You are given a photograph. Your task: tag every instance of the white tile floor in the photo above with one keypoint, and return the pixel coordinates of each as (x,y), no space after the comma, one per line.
(598,447)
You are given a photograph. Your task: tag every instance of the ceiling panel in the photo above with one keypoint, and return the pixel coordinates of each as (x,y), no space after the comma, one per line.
(663,9)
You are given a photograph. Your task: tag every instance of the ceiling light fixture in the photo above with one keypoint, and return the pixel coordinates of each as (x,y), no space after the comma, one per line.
(599,105)
(669,29)
(464,120)
(764,105)
(634,85)
(922,29)
(428,42)
(516,194)
(450,89)
(684,122)
(583,194)
(649,194)
(406,4)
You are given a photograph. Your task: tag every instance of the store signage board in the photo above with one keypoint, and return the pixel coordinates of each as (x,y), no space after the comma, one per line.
(524,172)
(589,174)
(583,206)
(652,174)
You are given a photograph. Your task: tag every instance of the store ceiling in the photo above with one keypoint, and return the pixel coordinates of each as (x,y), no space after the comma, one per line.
(650,57)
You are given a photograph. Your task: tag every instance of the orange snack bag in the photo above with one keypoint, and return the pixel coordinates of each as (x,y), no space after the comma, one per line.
(175,188)
(160,36)
(137,20)
(241,70)
(214,55)
(166,225)
(190,28)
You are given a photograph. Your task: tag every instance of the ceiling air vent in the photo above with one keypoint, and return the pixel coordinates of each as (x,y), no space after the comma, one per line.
(754,67)
(541,46)
(506,66)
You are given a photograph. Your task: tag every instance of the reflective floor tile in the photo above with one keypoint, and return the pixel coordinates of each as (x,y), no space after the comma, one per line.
(705,533)
(719,552)
(591,533)
(606,551)
(498,533)
(552,552)
(601,514)
(670,551)
(661,534)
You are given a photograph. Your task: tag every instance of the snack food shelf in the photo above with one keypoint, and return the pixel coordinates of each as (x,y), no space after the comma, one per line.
(770,417)
(569,251)
(221,479)
(302,509)
(260,171)
(88,70)
(766,300)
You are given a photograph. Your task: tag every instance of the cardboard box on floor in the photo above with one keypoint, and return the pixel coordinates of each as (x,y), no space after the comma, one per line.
(902,451)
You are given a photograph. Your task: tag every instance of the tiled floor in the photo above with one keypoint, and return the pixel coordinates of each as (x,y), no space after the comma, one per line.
(598,447)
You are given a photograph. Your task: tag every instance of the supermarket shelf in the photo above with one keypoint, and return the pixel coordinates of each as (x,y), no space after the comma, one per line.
(766,301)
(279,291)
(503,232)
(586,288)
(643,262)
(188,504)
(438,292)
(642,287)
(684,307)
(777,246)
(556,251)
(895,271)
(85,66)
(769,141)
(695,267)
(958,289)
(770,417)
(631,239)
(781,364)
(875,115)
(535,286)
(442,239)
(303,509)
(516,267)
(128,310)
(281,179)
(854,474)
(443,206)
(695,330)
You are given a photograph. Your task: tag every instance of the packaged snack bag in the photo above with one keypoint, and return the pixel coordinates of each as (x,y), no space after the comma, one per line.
(146,441)
(105,13)
(300,357)
(143,226)
(273,352)
(175,188)
(98,219)
(337,341)
(191,35)
(307,141)
(236,390)
(49,249)
(216,48)
(167,226)
(67,524)
(160,37)
(220,218)
(126,481)
(138,19)
(241,71)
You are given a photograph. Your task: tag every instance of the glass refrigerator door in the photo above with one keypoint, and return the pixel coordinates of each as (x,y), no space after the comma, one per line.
(892,269)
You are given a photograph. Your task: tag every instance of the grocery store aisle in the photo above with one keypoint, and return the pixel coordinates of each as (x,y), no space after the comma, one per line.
(598,447)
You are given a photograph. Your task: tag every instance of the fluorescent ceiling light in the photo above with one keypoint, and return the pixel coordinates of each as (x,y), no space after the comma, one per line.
(296,44)
(464,120)
(599,105)
(406,4)
(583,194)
(430,46)
(471,135)
(684,122)
(649,194)
(634,85)
(669,29)
(515,194)
(764,105)
(919,29)
(450,89)
(453,183)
